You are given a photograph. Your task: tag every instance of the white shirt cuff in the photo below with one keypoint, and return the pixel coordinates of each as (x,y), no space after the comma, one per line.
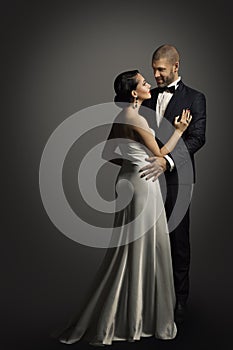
(170,161)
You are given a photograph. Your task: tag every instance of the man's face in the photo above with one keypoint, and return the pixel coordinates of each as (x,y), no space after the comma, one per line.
(165,72)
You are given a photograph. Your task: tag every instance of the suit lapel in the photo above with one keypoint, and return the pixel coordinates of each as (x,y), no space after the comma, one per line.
(149,113)
(153,100)
(172,106)
(166,129)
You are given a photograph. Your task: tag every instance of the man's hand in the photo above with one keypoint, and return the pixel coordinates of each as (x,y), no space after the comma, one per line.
(156,166)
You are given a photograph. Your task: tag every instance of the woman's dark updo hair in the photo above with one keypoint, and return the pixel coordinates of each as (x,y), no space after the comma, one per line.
(123,86)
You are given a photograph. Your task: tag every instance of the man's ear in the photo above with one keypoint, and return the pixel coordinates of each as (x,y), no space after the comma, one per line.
(176,67)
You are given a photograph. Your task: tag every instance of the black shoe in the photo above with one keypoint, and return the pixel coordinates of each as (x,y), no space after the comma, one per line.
(180,313)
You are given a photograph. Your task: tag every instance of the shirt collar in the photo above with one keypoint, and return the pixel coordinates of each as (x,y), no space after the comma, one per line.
(175,83)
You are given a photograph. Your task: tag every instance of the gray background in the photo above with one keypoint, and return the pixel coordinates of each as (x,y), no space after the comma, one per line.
(60,57)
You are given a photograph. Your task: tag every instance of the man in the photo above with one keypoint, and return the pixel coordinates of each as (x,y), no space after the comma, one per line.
(178,167)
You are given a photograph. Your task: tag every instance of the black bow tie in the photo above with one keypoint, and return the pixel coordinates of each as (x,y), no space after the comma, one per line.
(170,89)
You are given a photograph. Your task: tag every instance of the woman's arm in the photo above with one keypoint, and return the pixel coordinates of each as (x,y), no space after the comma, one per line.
(148,139)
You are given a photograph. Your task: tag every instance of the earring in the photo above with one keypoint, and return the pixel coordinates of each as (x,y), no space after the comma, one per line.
(135,102)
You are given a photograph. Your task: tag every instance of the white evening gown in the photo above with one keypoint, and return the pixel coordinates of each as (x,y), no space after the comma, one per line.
(133,293)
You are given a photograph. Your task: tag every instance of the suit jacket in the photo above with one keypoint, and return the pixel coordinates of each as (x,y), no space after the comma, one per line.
(192,139)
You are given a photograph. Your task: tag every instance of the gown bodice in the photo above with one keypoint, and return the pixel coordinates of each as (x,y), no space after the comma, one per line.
(135,151)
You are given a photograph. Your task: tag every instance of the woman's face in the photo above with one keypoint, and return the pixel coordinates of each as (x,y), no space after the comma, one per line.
(143,88)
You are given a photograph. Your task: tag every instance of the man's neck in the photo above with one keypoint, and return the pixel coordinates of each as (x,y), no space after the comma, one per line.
(175,81)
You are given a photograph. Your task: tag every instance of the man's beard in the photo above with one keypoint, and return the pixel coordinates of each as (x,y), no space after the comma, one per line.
(167,80)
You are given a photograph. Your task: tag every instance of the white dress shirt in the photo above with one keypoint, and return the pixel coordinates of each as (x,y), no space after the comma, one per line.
(162,102)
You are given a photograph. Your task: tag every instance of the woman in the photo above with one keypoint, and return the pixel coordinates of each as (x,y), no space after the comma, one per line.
(133,295)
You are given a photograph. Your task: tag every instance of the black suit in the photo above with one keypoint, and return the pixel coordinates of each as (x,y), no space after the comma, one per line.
(181,179)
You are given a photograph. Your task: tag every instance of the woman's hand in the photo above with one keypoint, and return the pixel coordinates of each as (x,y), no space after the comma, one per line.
(185,119)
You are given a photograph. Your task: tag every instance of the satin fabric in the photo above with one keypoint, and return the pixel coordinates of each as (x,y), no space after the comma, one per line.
(133,293)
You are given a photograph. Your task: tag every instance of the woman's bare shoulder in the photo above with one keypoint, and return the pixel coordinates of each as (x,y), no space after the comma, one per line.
(133,118)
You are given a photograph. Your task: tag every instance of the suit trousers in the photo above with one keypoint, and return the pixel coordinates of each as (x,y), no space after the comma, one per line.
(178,216)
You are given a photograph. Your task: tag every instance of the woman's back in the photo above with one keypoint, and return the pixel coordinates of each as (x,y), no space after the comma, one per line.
(129,142)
